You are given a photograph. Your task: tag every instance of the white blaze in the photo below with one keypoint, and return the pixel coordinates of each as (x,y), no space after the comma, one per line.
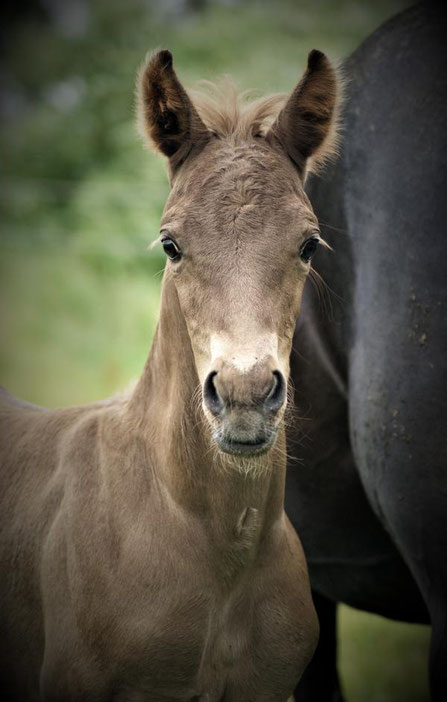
(243,354)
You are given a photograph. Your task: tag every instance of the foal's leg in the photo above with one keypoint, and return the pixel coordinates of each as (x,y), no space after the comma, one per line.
(320,682)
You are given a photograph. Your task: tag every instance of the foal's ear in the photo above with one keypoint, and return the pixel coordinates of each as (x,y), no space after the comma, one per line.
(306,127)
(165,113)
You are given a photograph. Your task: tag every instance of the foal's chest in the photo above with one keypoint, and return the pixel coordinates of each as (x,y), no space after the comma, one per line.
(232,650)
(195,640)
(168,622)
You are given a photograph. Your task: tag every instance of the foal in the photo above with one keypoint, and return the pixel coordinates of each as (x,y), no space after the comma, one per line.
(146,552)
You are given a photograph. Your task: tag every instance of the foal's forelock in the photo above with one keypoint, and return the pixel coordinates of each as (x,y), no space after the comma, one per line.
(226,111)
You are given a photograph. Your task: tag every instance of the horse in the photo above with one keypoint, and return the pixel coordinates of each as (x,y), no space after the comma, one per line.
(369,499)
(145,548)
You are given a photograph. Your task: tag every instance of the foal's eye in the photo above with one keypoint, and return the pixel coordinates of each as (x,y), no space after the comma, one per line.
(308,249)
(171,249)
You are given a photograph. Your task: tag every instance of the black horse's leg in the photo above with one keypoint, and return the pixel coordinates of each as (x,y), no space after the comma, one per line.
(320,682)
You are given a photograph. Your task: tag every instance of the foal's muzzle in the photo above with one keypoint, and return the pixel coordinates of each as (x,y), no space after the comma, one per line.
(245,406)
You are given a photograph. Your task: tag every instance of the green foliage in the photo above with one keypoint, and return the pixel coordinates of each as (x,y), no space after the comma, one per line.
(382,661)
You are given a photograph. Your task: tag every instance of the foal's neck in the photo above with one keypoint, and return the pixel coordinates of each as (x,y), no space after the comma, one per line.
(183,456)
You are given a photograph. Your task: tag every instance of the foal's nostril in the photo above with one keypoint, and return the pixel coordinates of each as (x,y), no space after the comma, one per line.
(211,397)
(275,399)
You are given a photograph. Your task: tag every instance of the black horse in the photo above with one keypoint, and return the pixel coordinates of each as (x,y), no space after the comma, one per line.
(370,498)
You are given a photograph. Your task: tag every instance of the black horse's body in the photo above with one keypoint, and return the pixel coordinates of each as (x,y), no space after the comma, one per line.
(370,498)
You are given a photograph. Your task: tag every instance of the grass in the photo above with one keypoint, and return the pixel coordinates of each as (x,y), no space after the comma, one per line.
(77,336)
(381,660)
(80,201)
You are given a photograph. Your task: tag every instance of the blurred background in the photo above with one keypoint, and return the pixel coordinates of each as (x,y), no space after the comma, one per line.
(81,200)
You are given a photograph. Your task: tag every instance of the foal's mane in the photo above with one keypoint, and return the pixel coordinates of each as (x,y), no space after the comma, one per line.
(226,111)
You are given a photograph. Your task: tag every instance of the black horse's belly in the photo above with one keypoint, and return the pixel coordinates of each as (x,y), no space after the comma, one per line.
(351,556)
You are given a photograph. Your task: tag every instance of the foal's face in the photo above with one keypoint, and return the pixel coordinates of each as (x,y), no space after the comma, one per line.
(239,234)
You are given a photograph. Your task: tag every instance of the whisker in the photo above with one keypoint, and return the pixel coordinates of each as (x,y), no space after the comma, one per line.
(330,226)
(158,273)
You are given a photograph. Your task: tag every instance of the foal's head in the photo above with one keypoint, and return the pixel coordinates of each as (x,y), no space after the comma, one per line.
(239,234)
